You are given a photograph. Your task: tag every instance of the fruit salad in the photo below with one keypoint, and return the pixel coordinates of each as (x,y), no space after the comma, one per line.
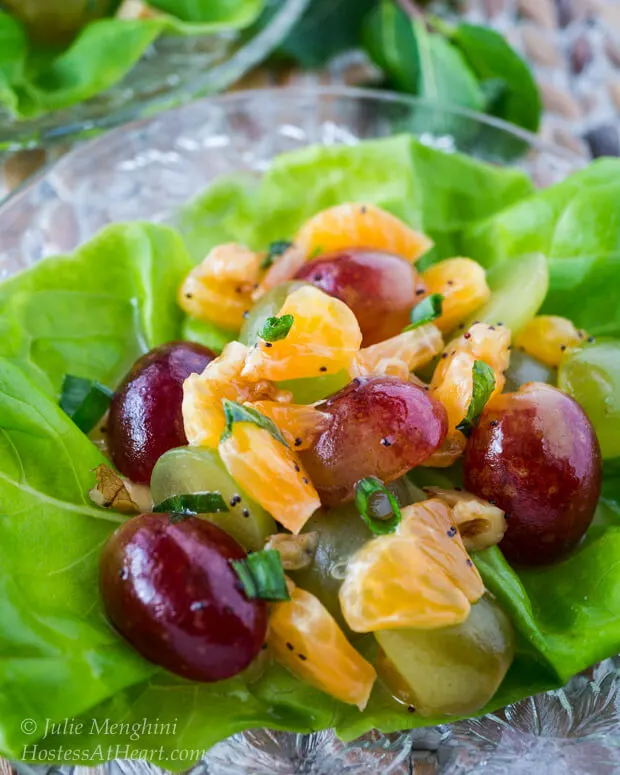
(335,451)
(352,371)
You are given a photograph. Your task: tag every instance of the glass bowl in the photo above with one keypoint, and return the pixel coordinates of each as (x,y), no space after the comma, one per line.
(174,70)
(146,171)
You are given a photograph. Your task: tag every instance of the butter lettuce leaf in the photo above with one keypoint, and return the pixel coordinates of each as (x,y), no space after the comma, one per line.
(93,312)
(576,224)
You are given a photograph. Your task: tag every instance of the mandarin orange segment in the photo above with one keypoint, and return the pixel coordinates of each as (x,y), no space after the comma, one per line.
(300,423)
(419,577)
(354,225)
(271,473)
(203,415)
(432,522)
(219,289)
(452,382)
(305,638)
(399,355)
(462,282)
(547,337)
(324,339)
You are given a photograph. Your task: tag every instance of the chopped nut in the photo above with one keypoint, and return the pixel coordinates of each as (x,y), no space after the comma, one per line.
(115,492)
(296,551)
(480,524)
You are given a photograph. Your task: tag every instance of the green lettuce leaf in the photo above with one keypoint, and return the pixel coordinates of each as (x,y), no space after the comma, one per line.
(576,224)
(430,190)
(34,81)
(92,313)
(58,656)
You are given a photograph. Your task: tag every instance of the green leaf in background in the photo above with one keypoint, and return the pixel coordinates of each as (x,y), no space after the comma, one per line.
(93,312)
(13,52)
(505,78)
(466,65)
(389,38)
(576,224)
(40,79)
(444,75)
(418,61)
(327,28)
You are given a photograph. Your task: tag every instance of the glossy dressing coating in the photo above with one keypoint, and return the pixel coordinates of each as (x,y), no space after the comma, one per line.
(145,416)
(535,454)
(171,591)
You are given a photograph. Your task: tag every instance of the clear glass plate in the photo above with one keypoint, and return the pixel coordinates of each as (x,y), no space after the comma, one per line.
(147,170)
(174,70)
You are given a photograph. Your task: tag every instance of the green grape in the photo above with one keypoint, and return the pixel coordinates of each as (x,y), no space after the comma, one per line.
(591,375)
(189,470)
(341,532)
(518,289)
(523,369)
(312,389)
(451,670)
(267,306)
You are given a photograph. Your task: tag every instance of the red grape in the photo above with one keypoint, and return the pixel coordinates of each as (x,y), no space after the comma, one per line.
(380,426)
(170,590)
(535,454)
(145,416)
(380,288)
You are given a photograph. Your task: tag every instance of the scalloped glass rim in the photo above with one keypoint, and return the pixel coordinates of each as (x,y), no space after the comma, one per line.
(146,170)
(234,54)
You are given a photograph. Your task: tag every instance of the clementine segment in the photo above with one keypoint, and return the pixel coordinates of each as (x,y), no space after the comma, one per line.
(324,338)
(419,577)
(462,282)
(452,382)
(305,638)
(203,415)
(219,289)
(399,355)
(354,225)
(548,337)
(271,473)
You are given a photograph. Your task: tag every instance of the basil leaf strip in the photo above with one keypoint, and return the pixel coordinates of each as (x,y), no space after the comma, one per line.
(484,385)
(262,575)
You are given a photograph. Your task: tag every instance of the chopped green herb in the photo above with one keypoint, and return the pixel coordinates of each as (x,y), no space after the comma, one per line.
(84,401)
(275,250)
(262,575)
(318,250)
(190,504)
(234,412)
(484,385)
(274,329)
(364,491)
(426,311)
